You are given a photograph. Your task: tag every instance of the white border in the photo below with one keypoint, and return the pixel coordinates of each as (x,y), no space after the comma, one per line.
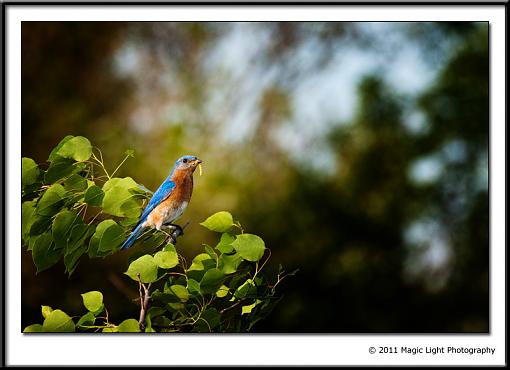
(249,349)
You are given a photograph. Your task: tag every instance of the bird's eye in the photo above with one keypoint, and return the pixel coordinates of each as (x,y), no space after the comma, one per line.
(185,160)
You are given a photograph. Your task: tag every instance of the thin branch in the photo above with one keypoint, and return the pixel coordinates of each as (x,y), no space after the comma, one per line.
(144,290)
(230,307)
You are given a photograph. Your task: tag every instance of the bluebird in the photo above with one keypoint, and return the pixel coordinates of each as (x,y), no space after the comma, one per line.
(170,200)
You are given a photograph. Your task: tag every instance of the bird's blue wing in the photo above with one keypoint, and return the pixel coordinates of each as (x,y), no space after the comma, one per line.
(160,195)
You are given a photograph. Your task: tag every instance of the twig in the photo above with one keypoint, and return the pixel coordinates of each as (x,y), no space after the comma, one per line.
(144,302)
(230,307)
(144,290)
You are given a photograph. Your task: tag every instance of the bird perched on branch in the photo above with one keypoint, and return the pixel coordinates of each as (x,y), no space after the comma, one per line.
(170,200)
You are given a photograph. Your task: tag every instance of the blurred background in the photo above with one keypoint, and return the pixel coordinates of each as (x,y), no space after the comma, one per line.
(357,151)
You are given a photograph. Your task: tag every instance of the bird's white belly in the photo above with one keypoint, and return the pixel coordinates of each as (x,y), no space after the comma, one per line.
(174,213)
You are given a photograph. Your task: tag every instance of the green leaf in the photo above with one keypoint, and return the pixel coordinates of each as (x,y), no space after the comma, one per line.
(86,320)
(118,200)
(51,200)
(219,222)
(106,239)
(249,308)
(27,219)
(63,223)
(46,310)
(59,168)
(75,183)
(110,329)
(145,267)
(76,245)
(228,263)
(40,225)
(225,244)
(166,259)
(44,253)
(211,281)
(53,154)
(79,232)
(180,292)
(130,153)
(58,322)
(248,288)
(193,287)
(210,252)
(34,328)
(249,246)
(93,300)
(222,291)
(94,196)
(155,311)
(29,171)
(77,148)
(201,261)
(129,326)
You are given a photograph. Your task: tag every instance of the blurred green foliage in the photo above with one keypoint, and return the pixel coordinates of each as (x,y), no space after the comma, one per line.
(392,237)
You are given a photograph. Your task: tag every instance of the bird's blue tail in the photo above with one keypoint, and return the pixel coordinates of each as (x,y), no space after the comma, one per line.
(132,238)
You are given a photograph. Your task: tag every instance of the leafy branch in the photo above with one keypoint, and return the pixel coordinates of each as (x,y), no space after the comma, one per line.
(76,207)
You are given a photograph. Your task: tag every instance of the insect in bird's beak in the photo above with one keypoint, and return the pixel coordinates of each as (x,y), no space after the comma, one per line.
(199,165)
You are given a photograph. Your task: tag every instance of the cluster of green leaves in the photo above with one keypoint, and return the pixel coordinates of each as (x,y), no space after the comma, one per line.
(57,321)
(62,204)
(222,290)
(75,207)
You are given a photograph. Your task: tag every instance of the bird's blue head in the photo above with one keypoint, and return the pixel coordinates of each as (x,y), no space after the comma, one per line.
(187,162)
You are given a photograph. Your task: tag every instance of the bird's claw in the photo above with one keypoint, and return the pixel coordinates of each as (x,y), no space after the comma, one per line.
(174,234)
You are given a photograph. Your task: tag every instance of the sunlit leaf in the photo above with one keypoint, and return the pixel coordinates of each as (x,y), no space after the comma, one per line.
(225,243)
(219,222)
(46,310)
(222,291)
(118,200)
(145,267)
(228,263)
(249,308)
(86,320)
(93,300)
(53,155)
(29,171)
(58,322)
(129,326)
(77,148)
(34,328)
(249,246)
(201,261)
